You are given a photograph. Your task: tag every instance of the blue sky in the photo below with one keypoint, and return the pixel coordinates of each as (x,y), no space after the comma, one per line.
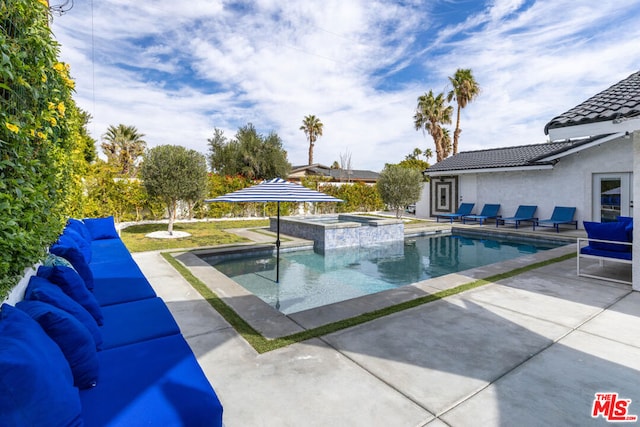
(176,70)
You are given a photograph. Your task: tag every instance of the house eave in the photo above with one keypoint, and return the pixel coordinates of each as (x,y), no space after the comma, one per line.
(489,170)
(595,128)
(583,147)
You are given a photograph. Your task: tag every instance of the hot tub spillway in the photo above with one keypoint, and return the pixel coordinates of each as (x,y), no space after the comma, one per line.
(341,231)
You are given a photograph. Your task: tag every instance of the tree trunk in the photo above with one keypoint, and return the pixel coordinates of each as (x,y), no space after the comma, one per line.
(172,216)
(456,133)
(310,152)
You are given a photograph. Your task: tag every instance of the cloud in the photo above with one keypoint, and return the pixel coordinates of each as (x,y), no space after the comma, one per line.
(176,71)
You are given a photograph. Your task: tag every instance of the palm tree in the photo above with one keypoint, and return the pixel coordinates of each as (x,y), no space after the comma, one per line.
(123,145)
(465,89)
(312,127)
(431,113)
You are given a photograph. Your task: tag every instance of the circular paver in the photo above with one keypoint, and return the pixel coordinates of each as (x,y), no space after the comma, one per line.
(165,234)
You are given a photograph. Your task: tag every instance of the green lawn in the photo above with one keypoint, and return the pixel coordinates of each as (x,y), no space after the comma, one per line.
(202,234)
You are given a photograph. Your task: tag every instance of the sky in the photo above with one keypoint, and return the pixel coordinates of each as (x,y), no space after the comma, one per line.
(178,69)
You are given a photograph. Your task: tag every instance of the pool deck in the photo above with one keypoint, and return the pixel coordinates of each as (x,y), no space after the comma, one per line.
(530,350)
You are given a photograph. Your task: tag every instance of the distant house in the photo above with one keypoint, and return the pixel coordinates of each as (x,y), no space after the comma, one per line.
(588,163)
(333,175)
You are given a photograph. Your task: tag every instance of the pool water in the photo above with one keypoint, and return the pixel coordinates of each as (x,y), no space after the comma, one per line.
(309,279)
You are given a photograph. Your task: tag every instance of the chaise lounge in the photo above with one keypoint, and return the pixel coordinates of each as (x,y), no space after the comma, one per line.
(463,209)
(523,213)
(560,215)
(489,211)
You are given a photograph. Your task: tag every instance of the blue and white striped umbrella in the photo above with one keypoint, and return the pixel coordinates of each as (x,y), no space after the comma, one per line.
(275,190)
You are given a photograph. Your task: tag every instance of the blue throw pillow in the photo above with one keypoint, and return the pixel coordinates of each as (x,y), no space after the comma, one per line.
(35,379)
(72,337)
(628,221)
(101,228)
(67,248)
(81,243)
(79,227)
(615,231)
(40,289)
(72,284)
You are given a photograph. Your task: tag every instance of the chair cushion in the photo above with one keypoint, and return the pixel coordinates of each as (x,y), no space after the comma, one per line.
(72,337)
(101,228)
(168,388)
(35,378)
(589,250)
(137,321)
(81,243)
(68,249)
(628,220)
(122,289)
(80,228)
(72,284)
(615,231)
(40,289)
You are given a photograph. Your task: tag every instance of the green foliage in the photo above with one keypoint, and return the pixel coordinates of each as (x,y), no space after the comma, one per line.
(124,147)
(38,138)
(357,197)
(172,173)
(399,187)
(249,154)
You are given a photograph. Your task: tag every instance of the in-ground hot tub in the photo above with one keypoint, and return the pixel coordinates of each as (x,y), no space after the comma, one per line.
(341,231)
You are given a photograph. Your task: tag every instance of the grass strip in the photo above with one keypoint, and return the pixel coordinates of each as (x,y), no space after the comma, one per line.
(263,345)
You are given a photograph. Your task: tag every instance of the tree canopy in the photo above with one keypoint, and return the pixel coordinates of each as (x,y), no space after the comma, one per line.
(399,187)
(431,114)
(173,173)
(123,145)
(248,154)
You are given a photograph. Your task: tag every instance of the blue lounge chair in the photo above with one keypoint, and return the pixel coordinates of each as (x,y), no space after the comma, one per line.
(489,211)
(523,213)
(463,209)
(560,215)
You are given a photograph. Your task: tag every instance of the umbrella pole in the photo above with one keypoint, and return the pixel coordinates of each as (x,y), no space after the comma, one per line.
(278,247)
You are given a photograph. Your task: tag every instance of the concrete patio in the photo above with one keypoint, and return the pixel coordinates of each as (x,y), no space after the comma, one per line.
(531,350)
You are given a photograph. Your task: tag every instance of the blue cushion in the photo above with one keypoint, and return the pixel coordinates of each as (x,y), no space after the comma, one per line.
(83,245)
(67,248)
(628,220)
(35,379)
(589,250)
(101,228)
(122,289)
(40,289)
(168,388)
(72,284)
(79,227)
(72,337)
(607,231)
(123,323)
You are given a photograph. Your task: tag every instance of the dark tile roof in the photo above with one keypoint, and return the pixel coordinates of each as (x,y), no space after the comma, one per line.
(622,100)
(506,157)
(338,174)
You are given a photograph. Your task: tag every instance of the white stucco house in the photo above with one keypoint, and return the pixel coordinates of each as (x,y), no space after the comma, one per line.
(589,164)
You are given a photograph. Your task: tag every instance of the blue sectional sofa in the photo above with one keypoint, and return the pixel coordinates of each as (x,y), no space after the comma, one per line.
(92,344)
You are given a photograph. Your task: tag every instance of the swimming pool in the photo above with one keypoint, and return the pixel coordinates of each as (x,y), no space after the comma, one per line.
(309,279)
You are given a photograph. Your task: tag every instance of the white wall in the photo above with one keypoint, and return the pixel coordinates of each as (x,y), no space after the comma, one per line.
(635,138)
(422,205)
(567,184)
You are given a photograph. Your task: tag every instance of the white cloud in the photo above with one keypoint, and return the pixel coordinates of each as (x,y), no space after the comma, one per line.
(176,71)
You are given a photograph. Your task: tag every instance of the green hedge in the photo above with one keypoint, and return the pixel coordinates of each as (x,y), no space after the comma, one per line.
(36,147)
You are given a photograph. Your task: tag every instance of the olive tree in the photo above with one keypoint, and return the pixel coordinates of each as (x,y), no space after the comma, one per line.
(399,186)
(173,173)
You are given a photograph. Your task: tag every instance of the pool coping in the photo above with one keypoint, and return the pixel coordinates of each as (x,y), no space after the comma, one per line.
(271,323)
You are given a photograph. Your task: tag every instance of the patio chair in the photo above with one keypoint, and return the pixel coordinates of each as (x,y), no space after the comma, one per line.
(489,211)
(463,209)
(523,213)
(560,215)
